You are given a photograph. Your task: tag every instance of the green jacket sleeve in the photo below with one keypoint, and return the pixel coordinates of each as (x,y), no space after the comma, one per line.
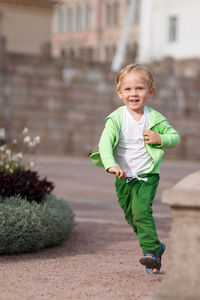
(106,144)
(170,137)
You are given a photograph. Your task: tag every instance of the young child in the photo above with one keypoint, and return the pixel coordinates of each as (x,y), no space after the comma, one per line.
(131,148)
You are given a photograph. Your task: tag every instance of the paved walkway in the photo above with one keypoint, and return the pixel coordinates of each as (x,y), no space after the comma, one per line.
(100,259)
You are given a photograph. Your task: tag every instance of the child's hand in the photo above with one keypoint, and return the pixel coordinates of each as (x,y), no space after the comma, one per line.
(117,171)
(151,137)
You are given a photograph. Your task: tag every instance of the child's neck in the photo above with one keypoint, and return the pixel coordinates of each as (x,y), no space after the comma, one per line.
(137,115)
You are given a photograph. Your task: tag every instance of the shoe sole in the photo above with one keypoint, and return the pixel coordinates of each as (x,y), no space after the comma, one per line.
(149,262)
(149,269)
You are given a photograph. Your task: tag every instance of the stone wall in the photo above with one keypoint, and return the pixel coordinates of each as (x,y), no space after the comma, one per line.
(67,102)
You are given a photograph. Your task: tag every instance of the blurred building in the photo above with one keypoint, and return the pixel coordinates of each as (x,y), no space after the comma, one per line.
(91,29)
(169,28)
(25,24)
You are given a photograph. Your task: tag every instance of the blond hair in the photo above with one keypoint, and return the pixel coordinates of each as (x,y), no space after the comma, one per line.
(138,69)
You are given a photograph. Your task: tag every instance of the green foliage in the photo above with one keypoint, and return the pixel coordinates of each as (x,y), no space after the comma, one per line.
(25,183)
(29,227)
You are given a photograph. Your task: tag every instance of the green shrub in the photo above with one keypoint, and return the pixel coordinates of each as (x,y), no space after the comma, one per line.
(29,227)
(25,183)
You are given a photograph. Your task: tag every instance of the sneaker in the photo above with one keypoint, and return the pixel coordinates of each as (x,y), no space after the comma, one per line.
(151,261)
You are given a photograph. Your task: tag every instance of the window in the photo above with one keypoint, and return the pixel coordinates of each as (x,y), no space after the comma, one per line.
(79,17)
(88,16)
(112,14)
(115,14)
(108,15)
(109,52)
(71,53)
(61,20)
(69,19)
(173,28)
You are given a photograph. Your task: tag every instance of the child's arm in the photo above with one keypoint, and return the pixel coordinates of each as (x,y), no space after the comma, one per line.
(117,171)
(167,136)
(106,145)
(151,137)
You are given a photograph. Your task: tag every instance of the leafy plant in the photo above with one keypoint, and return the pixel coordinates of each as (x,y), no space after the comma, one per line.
(25,183)
(29,227)
(27,222)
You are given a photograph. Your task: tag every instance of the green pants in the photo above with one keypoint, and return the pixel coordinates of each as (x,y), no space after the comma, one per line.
(136,199)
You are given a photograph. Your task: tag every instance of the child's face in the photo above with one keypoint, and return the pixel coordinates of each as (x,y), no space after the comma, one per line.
(134,92)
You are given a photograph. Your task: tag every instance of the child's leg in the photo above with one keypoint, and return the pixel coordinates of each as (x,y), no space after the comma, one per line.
(136,199)
(123,191)
(142,196)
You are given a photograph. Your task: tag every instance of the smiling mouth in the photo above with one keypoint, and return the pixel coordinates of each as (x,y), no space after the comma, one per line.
(134,100)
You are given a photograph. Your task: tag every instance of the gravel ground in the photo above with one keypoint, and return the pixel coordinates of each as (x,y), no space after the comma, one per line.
(100,259)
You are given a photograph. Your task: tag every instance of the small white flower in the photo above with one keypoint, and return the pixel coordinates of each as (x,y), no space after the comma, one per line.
(14,157)
(37,139)
(31,144)
(19,155)
(11,171)
(15,141)
(25,130)
(27,139)
(8,151)
(2,148)
(32,164)
(6,167)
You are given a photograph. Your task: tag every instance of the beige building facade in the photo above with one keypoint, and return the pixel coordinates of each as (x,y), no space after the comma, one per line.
(91,29)
(25,24)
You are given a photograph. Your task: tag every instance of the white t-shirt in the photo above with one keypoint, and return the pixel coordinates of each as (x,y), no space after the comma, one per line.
(131,154)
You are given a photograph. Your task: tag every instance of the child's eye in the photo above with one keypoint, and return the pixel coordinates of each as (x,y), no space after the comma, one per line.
(127,89)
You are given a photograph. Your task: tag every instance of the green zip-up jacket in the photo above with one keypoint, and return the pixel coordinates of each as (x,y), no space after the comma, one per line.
(110,137)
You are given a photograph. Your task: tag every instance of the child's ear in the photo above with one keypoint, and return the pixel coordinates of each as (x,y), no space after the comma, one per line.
(152,92)
(119,93)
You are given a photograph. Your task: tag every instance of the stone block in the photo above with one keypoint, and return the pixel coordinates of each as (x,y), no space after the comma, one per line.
(182,281)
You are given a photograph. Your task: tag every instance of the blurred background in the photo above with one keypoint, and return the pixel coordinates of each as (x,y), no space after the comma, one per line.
(59,60)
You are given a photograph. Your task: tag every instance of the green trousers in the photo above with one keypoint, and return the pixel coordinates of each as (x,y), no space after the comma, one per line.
(136,199)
